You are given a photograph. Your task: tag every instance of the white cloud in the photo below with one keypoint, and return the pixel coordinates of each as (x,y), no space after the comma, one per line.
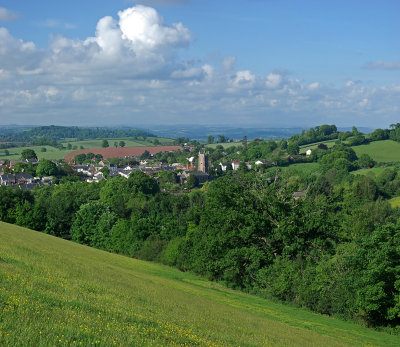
(145,30)
(244,79)
(314,86)
(273,80)
(7,15)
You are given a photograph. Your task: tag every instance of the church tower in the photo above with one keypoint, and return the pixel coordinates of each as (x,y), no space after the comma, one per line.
(203,163)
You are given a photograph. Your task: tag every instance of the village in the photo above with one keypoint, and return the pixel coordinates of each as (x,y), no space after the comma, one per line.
(14,173)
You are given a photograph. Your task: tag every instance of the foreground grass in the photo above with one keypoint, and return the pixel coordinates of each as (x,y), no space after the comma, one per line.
(54,292)
(55,153)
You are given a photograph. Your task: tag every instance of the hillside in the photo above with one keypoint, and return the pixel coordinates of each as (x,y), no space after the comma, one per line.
(54,292)
(380,151)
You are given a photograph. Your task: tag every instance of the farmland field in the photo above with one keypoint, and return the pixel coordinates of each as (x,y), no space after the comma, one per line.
(55,292)
(54,153)
(380,151)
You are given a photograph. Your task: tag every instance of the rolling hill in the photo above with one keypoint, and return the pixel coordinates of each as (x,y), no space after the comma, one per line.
(56,292)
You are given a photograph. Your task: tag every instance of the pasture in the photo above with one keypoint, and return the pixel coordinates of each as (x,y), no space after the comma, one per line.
(381,151)
(56,292)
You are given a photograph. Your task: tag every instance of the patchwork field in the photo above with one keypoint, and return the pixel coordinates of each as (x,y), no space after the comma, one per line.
(55,292)
(54,153)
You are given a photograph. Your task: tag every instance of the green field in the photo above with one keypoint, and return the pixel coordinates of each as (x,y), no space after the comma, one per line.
(54,153)
(305,148)
(372,171)
(55,292)
(306,168)
(380,151)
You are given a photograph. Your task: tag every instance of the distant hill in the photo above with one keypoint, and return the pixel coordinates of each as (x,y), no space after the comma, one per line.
(201,132)
(56,292)
(236,133)
(57,133)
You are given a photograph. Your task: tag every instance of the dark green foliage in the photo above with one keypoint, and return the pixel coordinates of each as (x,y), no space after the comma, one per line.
(28,154)
(92,225)
(48,135)
(46,168)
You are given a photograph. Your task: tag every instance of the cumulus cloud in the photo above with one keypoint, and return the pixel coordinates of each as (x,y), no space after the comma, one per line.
(7,15)
(273,80)
(144,29)
(244,79)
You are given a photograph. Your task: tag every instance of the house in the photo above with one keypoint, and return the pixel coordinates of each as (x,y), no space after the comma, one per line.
(224,165)
(235,165)
(19,178)
(84,169)
(299,195)
(7,180)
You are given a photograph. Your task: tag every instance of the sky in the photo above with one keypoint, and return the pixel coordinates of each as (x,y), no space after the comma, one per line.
(247,63)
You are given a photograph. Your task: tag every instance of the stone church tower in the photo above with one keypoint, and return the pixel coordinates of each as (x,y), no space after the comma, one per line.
(203,163)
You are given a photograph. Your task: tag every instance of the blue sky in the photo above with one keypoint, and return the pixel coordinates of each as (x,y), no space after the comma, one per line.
(271,63)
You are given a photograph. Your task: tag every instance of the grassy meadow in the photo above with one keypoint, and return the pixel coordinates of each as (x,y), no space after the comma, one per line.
(305,148)
(55,292)
(380,151)
(55,153)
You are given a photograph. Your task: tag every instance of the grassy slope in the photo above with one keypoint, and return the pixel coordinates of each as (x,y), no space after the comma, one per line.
(381,151)
(54,153)
(55,292)
(305,148)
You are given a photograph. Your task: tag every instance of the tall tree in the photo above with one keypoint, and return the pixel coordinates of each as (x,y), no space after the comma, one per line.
(28,154)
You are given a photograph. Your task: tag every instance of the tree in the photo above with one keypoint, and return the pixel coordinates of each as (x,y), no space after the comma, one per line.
(210,139)
(145,155)
(192,182)
(122,143)
(293,148)
(92,224)
(106,171)
(222,139)
(28,154)
(244,142)
(115,144)
(156,142)
(46,168)
(105,144)
(6,152)
(80,158)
